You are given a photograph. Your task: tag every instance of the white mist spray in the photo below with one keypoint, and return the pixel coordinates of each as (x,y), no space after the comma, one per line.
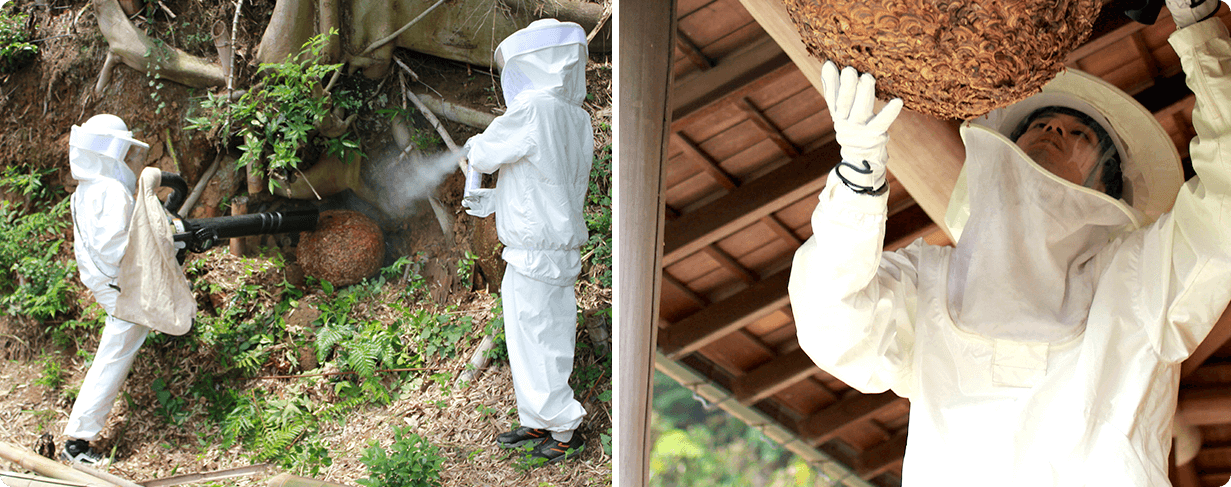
(400,180)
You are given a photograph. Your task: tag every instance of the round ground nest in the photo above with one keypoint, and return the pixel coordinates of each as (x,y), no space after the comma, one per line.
(346,247)
(953,59)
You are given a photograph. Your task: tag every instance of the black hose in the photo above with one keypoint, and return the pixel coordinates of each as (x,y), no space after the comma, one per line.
(179,192)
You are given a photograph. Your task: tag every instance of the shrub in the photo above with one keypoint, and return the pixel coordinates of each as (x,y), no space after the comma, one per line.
(411,461)
(33,281)
(15,51)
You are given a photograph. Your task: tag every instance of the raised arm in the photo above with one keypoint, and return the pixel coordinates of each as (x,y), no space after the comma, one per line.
(854,305)
(1194,240)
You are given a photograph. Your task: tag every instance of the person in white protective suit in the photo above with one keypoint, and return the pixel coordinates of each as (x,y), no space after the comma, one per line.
(1044,348)
(542,147)
(103,156)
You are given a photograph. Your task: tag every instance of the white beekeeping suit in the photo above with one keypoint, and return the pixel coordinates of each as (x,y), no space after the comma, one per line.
(542,147)
(1044,349)
(102,207)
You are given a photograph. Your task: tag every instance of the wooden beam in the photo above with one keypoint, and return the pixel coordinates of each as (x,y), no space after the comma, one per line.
(645,32)
(692,52)
(782,231)
(925,153)
(747,204)
(705,162)
(1143,51)
(683,288)
(726,316)
(730,264)
(1110,27)
(881,458)
(778,374)
(1215,340)
(855,407)
(758,118)
(741,69)
(1205,406)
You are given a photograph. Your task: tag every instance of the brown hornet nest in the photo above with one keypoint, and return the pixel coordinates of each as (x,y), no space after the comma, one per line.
(948,58)
(346,247)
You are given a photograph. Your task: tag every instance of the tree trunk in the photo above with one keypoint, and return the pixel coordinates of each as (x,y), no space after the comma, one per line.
(145,55)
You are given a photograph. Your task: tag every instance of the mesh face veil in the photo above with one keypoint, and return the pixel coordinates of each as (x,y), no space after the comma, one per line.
(1104,174)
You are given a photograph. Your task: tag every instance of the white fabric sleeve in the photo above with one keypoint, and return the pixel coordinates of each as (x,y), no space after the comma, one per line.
(854,305)
(1186,262)
(106,230)
(509,138)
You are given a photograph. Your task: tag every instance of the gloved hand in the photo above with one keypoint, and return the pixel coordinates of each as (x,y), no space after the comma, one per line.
(480,202)
(863,137)
(1189,12)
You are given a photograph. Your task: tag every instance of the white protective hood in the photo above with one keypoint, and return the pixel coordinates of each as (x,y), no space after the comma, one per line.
(1036,235)
(546,55)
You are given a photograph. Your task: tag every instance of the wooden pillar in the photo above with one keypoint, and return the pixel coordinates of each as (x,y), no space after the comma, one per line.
(644,60)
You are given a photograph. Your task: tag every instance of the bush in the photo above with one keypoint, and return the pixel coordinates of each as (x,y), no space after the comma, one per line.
(411,461)
(15,52)
(33,281)
(277,116)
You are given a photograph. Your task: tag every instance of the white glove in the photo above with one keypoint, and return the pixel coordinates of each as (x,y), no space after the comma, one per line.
(863,137)
(480,202)
(1189,12)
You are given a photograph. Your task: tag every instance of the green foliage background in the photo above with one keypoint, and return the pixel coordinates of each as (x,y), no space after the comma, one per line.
(696,447)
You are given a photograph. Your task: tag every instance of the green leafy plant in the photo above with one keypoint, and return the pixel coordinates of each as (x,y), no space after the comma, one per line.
(276,118)
(34,281)
(53,374)
(15,51)
(465,268)
(495,329)
(411,461)
(598,218)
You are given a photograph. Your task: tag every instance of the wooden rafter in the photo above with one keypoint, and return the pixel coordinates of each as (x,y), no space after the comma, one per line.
(730,264)
(749,203)
(698,299)
(782,231)
(758,118)
(731,73)
(726,316)
(692,52)
(1205,406)
(706,162)
(772,377)
(855,407)
(881,458)
(710,102)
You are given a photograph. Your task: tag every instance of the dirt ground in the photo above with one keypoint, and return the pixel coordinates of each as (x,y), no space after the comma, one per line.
(40,103)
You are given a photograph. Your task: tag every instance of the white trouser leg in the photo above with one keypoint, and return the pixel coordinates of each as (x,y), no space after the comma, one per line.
(540,324)
(116,349)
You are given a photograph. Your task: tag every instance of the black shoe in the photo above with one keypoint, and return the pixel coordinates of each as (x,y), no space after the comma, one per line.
(79,451)
(520,436)
(552,451)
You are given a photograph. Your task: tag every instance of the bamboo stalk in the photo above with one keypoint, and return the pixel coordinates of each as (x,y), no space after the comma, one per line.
(288,480)
(207,476)
(43,466)
(13,479)
(115,479)
(479,360)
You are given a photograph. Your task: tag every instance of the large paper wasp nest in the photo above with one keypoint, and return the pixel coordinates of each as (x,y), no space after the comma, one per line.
(948,58)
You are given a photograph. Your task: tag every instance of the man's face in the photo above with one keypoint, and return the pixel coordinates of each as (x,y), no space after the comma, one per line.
(1063,145)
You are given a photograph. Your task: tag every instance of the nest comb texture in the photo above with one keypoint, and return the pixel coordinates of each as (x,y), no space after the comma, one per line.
(346,247)
(953,59)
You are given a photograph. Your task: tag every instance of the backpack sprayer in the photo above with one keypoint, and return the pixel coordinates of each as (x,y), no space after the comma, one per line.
(201,234)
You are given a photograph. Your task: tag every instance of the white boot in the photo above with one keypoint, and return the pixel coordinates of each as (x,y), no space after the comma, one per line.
(1189,12)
